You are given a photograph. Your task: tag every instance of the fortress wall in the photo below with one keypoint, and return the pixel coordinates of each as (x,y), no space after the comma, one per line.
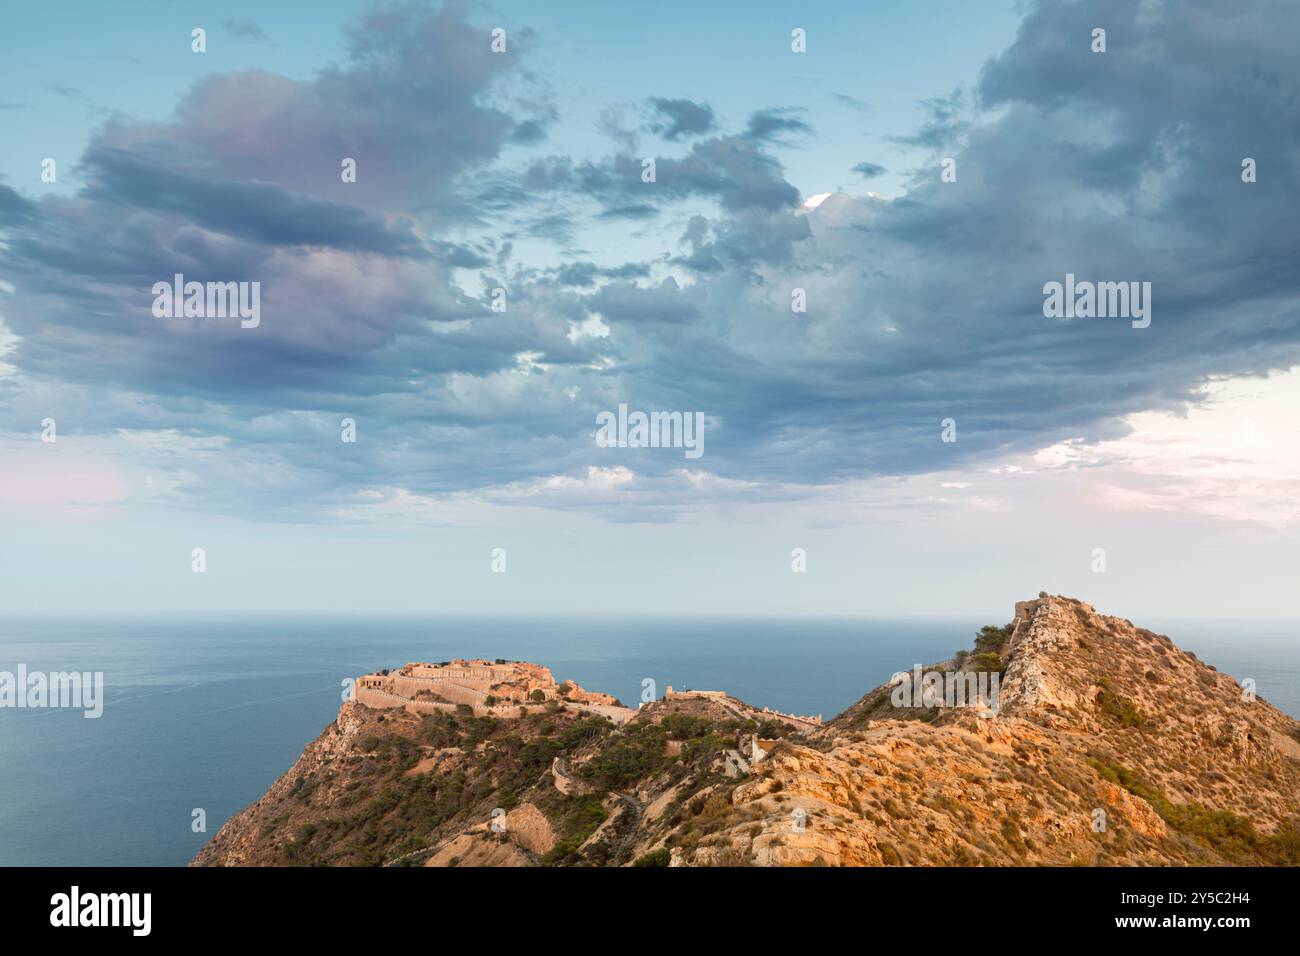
(405,686)
(435,707)
(590,696)
(373,697)
(458,694)
(466,675)
(798,718)
(455,692)
(383,700)
(429,707)
(479,681)
(511,685)
(619,715)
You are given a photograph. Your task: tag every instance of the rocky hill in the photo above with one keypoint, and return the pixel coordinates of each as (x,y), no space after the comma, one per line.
(1088,742)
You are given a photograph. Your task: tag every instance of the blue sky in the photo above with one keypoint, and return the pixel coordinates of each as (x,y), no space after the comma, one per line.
(71,65)
(1173,449)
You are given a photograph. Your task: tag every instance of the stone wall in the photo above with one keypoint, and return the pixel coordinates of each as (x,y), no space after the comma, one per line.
(453,691)
(469,683)
(386,700)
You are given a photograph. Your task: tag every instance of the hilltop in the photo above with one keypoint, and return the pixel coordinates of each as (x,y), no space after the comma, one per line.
(1092,742)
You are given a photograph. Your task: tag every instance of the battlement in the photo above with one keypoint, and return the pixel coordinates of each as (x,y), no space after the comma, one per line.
(800,718)
(497,687)
(741,709)
(688,694)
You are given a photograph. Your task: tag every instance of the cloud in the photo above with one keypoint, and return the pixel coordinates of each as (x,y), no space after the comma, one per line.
(1235,457)
(243,184)
(14,208)
(852,102)
(628,302)
(947,120)
(430,68)
(587,273)
(262,212)
(770,124)
(674,294)
(737,171)
(242,27)
(678,119)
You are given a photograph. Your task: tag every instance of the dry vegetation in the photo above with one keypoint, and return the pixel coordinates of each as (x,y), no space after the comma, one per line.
(1099,721)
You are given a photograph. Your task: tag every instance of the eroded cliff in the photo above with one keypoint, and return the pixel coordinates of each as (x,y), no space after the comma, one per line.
(1104,744)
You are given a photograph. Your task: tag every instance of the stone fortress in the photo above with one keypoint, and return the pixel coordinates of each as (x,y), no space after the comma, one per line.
(502,688)
(490,688)
(800,722)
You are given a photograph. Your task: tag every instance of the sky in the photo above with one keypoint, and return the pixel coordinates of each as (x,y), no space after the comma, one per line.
(919,439)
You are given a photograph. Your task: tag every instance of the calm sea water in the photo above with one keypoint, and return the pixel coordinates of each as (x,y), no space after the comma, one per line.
(206,713)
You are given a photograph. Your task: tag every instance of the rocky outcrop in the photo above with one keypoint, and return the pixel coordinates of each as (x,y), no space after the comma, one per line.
(236,844)
(1106,744)
(1110,745)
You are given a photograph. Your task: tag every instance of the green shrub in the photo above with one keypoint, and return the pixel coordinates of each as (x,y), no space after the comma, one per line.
(579,819)
(659,857)
(581,731)
(1121,708)
(989,639)
(1226,832)
(685,727)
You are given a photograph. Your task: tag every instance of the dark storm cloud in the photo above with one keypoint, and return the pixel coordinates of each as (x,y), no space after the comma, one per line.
(528,132)
(1108,166)
(430,69)
(244,184)
(773,123)
(742,242)
(585,274)
(1121,166)
(636,210)
(258,211)
(677,119)
(13,207)
(737,171)
(629,302)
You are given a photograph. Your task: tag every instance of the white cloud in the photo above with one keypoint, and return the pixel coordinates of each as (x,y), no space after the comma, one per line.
(1236,457)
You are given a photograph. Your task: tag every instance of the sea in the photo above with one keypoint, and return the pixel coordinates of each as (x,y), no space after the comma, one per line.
(202,714)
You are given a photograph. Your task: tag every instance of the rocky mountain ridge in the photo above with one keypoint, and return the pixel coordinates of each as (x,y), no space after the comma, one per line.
(1106,745)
